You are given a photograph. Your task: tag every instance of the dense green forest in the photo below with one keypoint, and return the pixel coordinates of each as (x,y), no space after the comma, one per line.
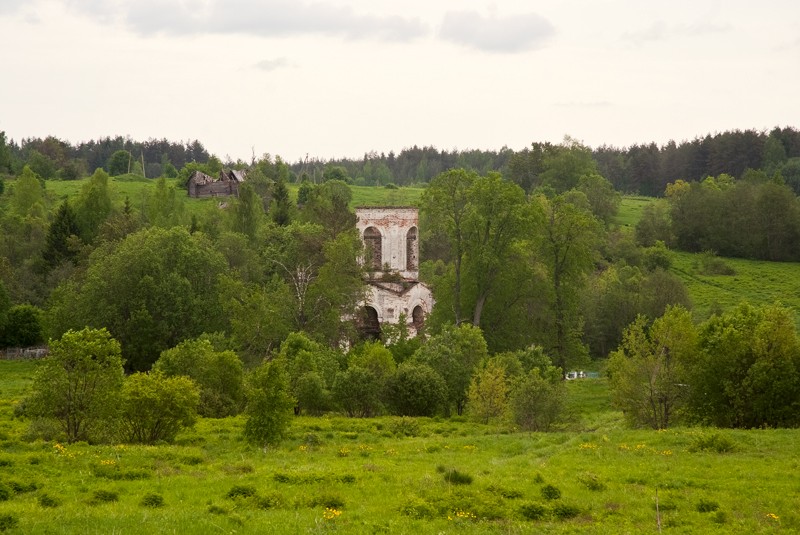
(531,272)
(644,168)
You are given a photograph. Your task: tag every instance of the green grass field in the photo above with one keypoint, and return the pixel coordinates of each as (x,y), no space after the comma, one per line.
(135,187)
(755,281)
(630,210)
(392,475)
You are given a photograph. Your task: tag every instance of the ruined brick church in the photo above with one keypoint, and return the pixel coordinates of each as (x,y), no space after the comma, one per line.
(391,240)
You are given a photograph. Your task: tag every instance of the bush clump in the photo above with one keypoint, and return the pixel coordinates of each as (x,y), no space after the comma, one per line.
(270,501)
(5,492)
(714,442)
(551,492)
(332,500)
(21,488)
(455,477)
(564,511)
(592,482)
(153,500)
(707,506)
(241,491)
(533,511)
(104,496)
(509,494)
(404,426)
(417,508)
(8,521)
(45,500)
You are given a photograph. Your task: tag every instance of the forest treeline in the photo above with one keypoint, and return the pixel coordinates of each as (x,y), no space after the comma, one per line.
(643,169)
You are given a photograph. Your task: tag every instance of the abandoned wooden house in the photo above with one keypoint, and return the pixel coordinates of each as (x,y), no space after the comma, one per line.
(390,236)
(227,184)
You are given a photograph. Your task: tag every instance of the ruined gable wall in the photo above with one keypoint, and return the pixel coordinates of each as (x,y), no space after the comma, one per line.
(394,224)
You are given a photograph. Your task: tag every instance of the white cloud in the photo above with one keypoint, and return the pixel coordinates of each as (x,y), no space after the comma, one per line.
(272,64)
(265,18)
(661,31)
(515,33)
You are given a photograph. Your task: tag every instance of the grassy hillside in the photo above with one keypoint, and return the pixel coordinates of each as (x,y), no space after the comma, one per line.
(135,187)
(758,282)
(393,475)
(630,210)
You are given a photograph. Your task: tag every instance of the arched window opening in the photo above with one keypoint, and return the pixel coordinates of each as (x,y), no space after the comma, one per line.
(369,326)
(411,250)
(373,244)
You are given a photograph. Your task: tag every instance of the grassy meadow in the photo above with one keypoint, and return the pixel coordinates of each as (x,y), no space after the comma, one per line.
(403,475)
(134,187)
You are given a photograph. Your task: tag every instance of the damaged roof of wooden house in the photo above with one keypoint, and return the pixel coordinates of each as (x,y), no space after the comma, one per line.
(227,184)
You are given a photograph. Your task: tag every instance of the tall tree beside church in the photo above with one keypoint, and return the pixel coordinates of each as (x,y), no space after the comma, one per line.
(445,203)
(567,242)
(498,217)
(329,205)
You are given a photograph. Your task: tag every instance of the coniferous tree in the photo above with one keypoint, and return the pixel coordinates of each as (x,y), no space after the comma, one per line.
(61,235)
(281,209)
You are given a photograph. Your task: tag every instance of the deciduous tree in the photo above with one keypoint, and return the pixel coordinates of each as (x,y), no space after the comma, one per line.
(155,407)
(453,354)
(219,375)
(269,405)
(78,384)
(649,372)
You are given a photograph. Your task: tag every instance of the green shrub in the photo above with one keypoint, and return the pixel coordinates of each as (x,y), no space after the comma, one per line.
(8,521)
(20,488)
(404,427)
(711,264)
(104,496)
(312,440)
(217,510)
(721,517)
(509,494)
(45,500)
(592,482)
(550,492)
(115,473)
(152,499)
(5,492)
(564,511)
(281,477)
(455,477)
(714,442)
(332,500)
(272,500)
(417,508)
(218,374)
(707,506)
(155,407)
(533,511)
(241,491)
(5,461)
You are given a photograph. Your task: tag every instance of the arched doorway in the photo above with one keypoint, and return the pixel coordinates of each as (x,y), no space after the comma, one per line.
(373,243)
(418,318)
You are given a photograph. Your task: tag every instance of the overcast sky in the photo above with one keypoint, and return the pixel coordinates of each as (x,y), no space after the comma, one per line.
(344,77)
